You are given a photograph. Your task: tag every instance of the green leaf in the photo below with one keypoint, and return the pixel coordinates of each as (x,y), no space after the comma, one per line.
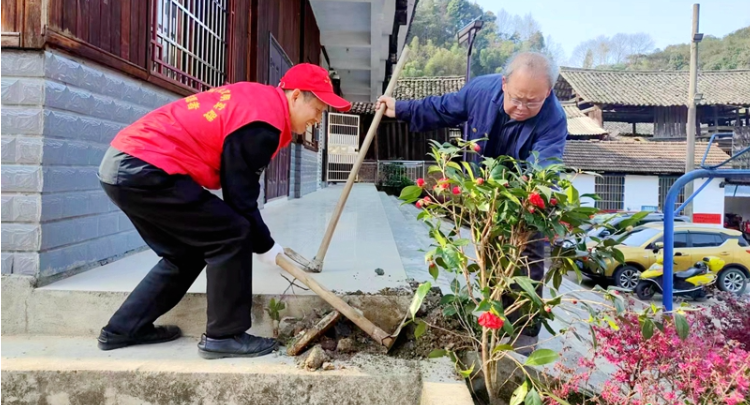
(526,284)
(647,328)
(473,268)
(594,340)
(454,165)
(410,193)
(572,194)
(467,373)
(507,326)
(660,326)
(433,169)
(520,393)
(533,398)
(502,348)
(455,286)
(497,172)
(484,306)
(461,242)
(423,214)
(619,306)
(546,191)
(611,322)
(617,255)
(421,329)
(681,323)
(449,311)
(447,299)
(434,272)
(541,357)
(452,258)
(418,298)
(437,353)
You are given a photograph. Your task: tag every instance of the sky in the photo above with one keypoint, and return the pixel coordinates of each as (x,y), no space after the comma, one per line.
(571,22)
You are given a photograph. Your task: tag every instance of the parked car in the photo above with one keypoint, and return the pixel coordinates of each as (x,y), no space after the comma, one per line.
(602,224)
(692,242)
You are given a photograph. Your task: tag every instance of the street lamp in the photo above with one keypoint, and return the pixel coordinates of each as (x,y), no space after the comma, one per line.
(468,34)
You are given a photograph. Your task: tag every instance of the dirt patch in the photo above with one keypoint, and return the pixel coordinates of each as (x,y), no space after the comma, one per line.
(346,339)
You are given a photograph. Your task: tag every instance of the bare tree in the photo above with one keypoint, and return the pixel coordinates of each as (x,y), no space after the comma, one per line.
(641,43)
(620,47)
(504,21)
(554,50)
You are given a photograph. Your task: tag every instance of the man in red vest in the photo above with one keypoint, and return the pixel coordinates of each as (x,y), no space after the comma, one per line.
(158,170)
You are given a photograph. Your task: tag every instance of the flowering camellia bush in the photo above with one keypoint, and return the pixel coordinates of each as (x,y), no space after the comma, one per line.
(482,218)
(658,359)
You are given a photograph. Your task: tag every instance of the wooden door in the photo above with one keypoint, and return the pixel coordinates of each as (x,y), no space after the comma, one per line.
(277,173)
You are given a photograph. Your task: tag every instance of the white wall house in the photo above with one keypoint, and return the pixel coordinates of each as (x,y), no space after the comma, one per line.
(636,176)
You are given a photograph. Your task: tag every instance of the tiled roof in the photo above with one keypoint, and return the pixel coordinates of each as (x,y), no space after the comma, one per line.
(411,88)
(636,157)
(579,124)
(663,88)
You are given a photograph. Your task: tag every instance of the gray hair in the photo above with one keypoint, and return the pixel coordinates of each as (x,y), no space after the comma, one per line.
(534,62)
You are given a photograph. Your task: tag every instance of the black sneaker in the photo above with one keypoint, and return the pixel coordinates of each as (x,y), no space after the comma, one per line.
(157,334)
(244,345)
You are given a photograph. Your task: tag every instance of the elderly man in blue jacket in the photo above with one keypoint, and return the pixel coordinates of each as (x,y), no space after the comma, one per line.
(518,114)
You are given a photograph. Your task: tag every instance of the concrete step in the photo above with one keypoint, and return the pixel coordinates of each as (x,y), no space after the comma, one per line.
(69,370)
(42,311)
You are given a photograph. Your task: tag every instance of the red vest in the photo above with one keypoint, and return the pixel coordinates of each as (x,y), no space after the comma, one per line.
(187,135)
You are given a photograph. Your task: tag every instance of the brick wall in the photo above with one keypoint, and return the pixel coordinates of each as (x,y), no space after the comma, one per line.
(58,116)
(303,176)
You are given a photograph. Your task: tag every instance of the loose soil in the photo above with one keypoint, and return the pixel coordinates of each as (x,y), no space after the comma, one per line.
(445,334)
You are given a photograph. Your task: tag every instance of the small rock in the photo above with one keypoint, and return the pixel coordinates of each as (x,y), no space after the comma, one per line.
(379,271)
(316,358)
(345,345)
(328,344)
(288,326)
(328,366)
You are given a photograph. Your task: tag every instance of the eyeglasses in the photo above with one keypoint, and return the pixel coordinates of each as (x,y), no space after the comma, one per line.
(530,105)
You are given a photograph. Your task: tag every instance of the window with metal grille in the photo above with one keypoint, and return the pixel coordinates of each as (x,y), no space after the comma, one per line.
(611,189)
(189,41)
(665,183)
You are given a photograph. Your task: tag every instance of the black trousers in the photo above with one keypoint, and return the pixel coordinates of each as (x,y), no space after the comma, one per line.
(189,228)
(534,253)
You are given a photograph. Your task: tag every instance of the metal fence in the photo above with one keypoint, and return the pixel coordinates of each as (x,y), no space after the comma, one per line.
(392,171)
(189,41)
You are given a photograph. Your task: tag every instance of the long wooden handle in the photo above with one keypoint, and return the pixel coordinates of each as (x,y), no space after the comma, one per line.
(320,256)
(345,309)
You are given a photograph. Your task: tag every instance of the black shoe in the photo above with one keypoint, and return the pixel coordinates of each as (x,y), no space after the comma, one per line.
(158,334)
(243,345)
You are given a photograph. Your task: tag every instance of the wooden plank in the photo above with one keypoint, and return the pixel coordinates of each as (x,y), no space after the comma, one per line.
(69,15)
(82,22)
(116,27)
(31,35)
(9,16)
(105,25)
(95,24)
(135,33)
(10,39)
(55,13)
(314,333)
(126,30)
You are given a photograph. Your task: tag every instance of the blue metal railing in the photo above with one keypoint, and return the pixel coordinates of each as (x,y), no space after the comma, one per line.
(709,173)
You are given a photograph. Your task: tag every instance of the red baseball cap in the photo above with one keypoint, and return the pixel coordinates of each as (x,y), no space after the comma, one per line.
(313,78)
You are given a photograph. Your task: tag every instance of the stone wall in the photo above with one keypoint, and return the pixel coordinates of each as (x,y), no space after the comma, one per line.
(59,114)
(303,176)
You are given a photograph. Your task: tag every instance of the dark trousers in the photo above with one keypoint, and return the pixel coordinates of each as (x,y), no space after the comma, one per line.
(533,252)
(189,228)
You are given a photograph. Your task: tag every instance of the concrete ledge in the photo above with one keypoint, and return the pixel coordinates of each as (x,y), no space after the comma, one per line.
(84,313)
(73,370)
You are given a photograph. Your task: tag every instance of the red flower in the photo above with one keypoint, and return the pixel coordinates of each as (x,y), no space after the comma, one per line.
(547,309)
(531,210)
(427,200)
(506,184)
(477,148)
(553,201)
(575,302)
(565,224)
(456,190)
(537,200)
(480,181)
(420,183)
(490,320)
(419,204)
(525,178)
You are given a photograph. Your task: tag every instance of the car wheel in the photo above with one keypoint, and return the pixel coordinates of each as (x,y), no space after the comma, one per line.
(732,280)
(627,277)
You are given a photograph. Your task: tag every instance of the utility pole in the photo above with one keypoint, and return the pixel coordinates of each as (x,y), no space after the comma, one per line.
(691,118)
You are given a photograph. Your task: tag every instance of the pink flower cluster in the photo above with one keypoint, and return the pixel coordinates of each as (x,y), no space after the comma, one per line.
(705,368)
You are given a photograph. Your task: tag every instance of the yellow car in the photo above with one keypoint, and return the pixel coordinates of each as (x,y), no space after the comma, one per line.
(692,242)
